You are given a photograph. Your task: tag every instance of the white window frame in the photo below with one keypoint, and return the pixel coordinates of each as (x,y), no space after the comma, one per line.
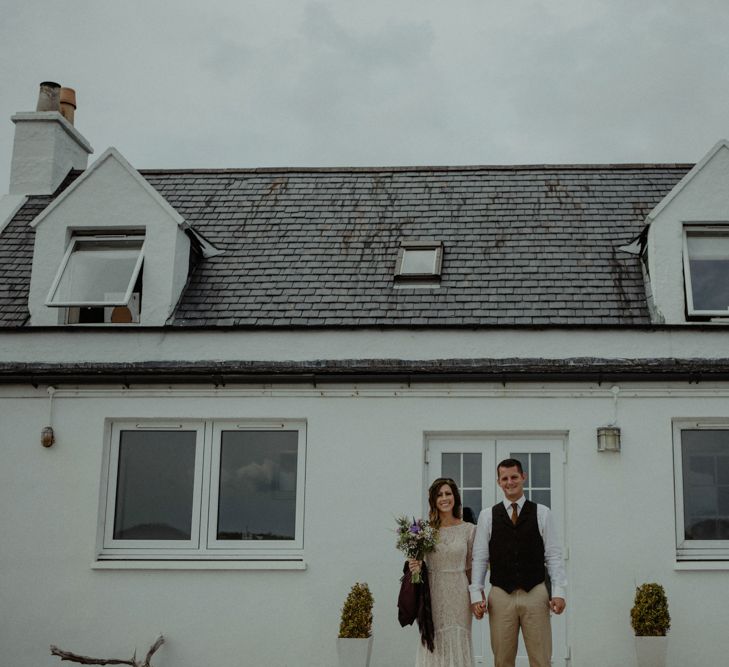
(693,550)
(419,246)
(203,544)
(253,545)
(148,546)
(77,239)
(705,230)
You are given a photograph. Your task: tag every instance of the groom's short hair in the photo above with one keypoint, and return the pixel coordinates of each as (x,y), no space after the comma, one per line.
(510,463)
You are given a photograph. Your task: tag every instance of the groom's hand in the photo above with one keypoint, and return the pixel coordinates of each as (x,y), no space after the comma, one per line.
(557,605)
(478,609)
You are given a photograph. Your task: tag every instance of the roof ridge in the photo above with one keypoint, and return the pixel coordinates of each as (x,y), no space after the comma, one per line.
(422,168)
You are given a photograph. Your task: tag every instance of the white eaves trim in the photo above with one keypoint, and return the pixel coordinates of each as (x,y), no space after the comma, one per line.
(723,143)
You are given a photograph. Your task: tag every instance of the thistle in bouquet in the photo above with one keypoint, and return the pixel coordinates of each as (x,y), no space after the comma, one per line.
(415,539)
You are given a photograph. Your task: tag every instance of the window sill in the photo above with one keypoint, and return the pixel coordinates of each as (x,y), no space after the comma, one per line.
(198,565)
(697,565)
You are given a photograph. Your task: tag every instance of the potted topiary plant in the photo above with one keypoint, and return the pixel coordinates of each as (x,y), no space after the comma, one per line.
(354,645)
(651,621)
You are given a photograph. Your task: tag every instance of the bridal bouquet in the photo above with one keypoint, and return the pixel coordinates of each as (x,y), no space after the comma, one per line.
(415,539)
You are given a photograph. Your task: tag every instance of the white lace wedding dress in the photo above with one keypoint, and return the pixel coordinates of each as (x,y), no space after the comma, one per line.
(449,599)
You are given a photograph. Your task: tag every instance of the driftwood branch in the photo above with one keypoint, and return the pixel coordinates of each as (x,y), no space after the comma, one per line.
(152,650)
(85,660)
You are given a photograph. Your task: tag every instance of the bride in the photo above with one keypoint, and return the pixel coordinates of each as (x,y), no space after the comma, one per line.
(449,572)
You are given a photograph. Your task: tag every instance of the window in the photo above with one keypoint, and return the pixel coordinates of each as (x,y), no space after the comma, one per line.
(706,270)
(204,490)
(99,279)
(419,261)
(701,460)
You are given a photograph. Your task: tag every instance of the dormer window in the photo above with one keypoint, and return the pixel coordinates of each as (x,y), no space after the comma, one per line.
(706,271)
(419,262)
(99,279)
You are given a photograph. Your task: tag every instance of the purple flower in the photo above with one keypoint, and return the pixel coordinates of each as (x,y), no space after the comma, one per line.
(415,528)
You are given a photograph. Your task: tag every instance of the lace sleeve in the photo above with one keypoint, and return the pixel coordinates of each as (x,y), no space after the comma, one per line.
(469,551)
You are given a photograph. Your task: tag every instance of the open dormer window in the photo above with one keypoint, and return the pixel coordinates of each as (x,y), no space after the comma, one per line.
(706,271)
(99,280)
(419,262)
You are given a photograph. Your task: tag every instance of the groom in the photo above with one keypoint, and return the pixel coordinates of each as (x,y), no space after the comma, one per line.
(517,538)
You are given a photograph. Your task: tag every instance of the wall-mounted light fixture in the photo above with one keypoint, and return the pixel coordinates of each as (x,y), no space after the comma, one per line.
(47,435)
(608,439)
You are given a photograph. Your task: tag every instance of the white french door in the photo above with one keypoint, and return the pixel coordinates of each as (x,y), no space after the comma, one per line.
(471,461)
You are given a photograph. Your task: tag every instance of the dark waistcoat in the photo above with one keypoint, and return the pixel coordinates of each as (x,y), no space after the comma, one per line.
(516,552)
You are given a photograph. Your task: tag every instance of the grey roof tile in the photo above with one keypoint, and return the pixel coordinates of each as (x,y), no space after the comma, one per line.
(318,247)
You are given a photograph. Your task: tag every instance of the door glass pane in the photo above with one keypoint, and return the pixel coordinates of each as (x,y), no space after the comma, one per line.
(466,470)
(523,458)
(705,487)
(471,505)
(471,470)
(536,466)
(543,497)
(257,492)
(155,483)
(450,466)
(539,465)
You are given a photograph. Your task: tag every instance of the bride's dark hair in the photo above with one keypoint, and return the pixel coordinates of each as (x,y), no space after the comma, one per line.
(433,515)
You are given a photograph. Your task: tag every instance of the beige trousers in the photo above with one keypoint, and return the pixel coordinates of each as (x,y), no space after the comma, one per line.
(529,611)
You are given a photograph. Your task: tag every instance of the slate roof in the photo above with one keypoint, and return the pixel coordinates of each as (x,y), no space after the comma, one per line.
(524,245)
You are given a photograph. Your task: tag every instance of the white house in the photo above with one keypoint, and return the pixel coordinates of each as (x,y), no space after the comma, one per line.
(242,376)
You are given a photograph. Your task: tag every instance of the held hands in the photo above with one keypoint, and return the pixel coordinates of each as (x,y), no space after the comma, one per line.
(479,609)
(557,605)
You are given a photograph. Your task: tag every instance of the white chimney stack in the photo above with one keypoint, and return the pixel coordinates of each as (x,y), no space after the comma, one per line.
(47,145)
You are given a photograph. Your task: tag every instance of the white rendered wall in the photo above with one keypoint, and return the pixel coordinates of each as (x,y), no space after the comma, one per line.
(364,465)
(111,198)
(45,149)
(701,197)
(189,345)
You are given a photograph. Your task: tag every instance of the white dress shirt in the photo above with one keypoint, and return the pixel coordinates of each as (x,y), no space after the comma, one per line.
(552,550)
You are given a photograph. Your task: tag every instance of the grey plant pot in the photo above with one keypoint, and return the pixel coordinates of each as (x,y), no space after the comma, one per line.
(354,652)
(651,651)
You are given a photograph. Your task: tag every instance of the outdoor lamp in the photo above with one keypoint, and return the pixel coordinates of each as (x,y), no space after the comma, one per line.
(608,439)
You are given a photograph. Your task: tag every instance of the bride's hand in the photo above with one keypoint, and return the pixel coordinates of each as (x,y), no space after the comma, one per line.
(414,565)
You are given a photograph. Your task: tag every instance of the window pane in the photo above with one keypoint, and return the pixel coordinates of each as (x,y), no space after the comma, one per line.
(709,266)
(540,472)
(472,470)
(705,496)
(471,505)
(98,273)
(722,469)
(450,466)
(155,484)
(257,499)
(418,261)
(701,470)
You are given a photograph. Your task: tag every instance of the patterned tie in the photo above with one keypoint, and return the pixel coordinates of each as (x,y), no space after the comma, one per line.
(514,513)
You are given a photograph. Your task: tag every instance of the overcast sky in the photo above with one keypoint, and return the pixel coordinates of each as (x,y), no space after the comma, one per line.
(249,83)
